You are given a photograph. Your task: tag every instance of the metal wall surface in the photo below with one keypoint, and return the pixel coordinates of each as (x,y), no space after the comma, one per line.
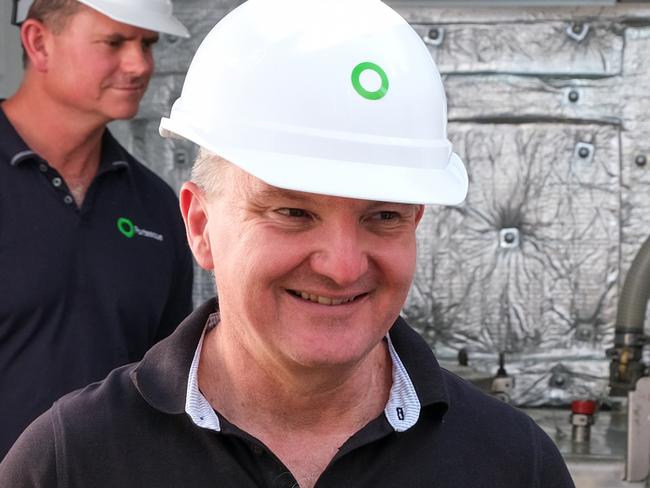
(547,109)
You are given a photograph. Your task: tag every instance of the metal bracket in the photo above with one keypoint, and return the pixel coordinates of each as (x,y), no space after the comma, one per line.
(637,464)
(577,31)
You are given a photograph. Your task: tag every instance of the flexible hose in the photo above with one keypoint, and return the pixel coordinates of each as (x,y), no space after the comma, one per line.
(632,303)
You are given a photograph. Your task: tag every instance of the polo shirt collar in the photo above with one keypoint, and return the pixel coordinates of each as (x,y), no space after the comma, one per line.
(161,376)
(166,376)
(14,150)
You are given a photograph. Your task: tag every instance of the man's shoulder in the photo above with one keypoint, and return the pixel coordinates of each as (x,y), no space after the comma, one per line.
(150,181)
(106,397)
(145,178)
(467,400)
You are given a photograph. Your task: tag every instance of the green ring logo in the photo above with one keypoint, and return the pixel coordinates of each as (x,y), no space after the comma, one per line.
(356,81)
(126,227)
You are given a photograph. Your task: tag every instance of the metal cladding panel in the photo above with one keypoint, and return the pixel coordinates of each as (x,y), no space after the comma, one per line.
(572,48)
(529,264)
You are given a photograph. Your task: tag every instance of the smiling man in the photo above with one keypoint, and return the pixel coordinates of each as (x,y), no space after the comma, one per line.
(323,132)
(71,272)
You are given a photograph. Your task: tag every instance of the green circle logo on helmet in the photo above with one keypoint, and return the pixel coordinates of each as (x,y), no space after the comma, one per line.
(356,81)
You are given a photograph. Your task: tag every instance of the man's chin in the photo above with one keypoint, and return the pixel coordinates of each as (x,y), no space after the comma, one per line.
(123,113)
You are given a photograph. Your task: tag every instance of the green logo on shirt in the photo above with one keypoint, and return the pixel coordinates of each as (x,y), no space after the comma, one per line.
(126,227)
(129,229)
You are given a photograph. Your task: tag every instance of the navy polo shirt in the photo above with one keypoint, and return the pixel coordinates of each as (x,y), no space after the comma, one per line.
(82,290)
(132,431)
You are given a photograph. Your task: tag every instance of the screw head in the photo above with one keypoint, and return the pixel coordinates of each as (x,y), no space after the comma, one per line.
(509,237)
(583,152)
(558,380)
(577,28)
(180,157)
(574,96)
(640,160)
(434,34)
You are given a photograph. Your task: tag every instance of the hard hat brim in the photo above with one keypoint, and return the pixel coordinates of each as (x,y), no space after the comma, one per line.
(154,21)
(446,185)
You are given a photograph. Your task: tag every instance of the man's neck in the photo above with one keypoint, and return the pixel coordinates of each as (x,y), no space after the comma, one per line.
(69,141)
(302,416)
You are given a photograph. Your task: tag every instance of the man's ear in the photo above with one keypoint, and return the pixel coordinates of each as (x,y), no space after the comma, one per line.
(419,214)
(195,215)
(33,35)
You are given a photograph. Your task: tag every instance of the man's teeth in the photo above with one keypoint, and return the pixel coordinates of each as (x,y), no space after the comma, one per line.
(325,300)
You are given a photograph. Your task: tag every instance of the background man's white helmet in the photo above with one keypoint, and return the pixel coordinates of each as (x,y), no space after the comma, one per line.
(336,97)
(155,15)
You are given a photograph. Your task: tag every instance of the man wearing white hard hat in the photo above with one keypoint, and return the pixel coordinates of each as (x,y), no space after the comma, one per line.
(322,125)
(94,264)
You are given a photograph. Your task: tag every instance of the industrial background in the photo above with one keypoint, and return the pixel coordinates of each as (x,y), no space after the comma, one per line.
(548,109)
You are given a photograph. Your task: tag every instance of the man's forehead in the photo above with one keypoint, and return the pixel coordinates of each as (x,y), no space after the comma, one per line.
(263,191)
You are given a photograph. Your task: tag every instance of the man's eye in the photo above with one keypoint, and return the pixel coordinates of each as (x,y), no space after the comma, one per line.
(293,212)
(386,215)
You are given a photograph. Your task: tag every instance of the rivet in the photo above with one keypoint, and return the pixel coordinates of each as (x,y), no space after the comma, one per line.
(509,237)
(583,152)
(640,160)
(574,96)
(558,380)
(181,157)
(435,36)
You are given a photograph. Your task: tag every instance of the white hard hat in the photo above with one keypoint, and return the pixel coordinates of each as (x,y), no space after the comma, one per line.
(155,15)
(336,97)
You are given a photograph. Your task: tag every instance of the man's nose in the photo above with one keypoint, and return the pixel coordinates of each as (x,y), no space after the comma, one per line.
(342,254)
(137,60)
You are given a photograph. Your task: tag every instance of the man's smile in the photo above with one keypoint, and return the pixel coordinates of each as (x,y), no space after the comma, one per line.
(324,300)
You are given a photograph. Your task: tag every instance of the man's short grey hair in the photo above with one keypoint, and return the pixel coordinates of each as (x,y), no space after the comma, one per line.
(209,172)
(53,13)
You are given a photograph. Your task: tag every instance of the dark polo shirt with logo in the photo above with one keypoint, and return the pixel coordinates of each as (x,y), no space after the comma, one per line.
(82,290)
(132,431)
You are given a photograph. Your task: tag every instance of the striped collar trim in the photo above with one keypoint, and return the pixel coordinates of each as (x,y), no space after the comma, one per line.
(196,405)
(402,410)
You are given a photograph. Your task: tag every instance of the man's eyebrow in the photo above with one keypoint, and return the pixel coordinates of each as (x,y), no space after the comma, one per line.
(117,36)
(271,192)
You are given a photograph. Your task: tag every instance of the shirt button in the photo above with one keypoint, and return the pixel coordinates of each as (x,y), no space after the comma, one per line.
(42,168)
(68,199)
(57,181)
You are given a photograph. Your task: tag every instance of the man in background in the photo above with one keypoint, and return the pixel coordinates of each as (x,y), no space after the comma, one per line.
(88,236)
